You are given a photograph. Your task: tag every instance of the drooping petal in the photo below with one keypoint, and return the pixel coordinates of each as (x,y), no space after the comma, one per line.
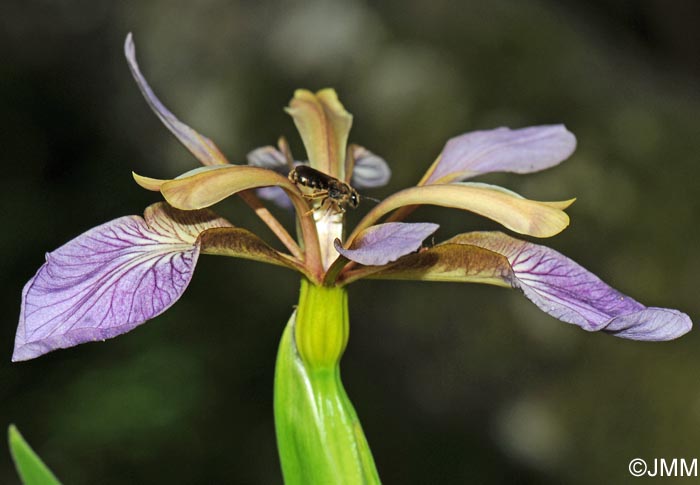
(110,279)
(523,150)
(384,243)
(369,170)
(324,125)
(567,291)
(539,219)
(199,145)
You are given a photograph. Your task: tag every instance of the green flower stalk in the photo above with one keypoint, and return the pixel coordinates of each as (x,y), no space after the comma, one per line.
(116,276)
(319,436)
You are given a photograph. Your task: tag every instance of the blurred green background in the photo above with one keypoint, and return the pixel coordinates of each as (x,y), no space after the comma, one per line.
(454,383)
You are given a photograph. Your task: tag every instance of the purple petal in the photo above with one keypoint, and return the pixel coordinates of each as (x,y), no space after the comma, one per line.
(370,170)
(271,158)
(385,243)
(276,195)
(199,145)
(268,157)
(523,150)
(567,291)
(110,279)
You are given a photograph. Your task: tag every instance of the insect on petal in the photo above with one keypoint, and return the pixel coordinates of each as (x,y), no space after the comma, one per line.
(384,243)
(199,145)
(523,150)
(569,292)
(110,279)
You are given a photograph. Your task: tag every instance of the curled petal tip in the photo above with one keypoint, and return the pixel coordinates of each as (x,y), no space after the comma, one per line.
(560,204)
(129,45)
(656,324)
(148,183)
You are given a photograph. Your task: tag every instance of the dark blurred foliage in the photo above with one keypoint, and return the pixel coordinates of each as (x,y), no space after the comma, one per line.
(454,383)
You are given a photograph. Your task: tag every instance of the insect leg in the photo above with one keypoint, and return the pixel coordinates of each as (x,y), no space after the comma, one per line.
(317,195)
(330,202)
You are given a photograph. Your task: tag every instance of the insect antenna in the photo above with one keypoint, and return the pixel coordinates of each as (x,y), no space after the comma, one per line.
(367,197)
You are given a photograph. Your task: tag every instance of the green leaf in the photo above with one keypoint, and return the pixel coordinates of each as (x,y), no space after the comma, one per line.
(29,466)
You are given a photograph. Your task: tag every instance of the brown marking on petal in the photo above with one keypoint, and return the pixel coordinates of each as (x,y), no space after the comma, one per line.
(446,262)
(241,243)
(186,225)
(494,240)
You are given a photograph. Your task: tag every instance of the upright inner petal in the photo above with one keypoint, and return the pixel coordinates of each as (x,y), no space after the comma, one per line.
(324,126)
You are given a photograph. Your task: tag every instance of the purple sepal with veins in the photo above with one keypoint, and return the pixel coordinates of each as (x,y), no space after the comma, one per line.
(569,292)
(110,279)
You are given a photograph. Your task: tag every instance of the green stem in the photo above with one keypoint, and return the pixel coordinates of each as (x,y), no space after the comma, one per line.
(319,436)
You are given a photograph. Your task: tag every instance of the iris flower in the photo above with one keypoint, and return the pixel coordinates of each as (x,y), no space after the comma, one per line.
(116,276)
